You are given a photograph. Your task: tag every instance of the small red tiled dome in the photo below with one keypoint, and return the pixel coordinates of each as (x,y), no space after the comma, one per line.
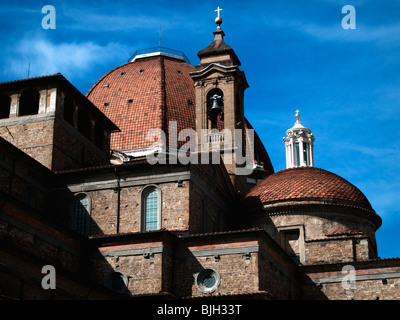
(306,183)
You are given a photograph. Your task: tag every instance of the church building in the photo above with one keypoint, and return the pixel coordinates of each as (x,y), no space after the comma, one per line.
(154,185)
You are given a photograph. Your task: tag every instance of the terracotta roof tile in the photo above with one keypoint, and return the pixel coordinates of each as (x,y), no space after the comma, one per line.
(148,93)
(306,183)
(144,95)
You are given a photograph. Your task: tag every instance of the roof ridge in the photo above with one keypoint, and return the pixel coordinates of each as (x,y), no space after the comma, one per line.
(163,113)
(33,78)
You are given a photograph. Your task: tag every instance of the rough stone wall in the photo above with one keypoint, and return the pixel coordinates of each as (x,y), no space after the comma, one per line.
(327,237)
(211,185)
(21,279)
(364,290)
(104,206)
(103,212)
(329,251)
(276,276)
(238,274)
(22,189)
(34,138)
(24,232)
(71,150)
(144,274)
(175,206)
(195,207)
(50,143)
(213,221)
(321,225)
(371,280)
(337,250)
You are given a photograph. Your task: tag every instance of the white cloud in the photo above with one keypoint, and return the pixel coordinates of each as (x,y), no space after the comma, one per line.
(367,29)
(121,17)
(362,33)
(46,57)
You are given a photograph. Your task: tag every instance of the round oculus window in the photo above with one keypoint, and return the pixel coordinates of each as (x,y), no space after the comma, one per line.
(208,280)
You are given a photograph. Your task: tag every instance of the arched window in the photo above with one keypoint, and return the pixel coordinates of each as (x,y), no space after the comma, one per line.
(151,209)
(81,215)
(29,102)
(5,104)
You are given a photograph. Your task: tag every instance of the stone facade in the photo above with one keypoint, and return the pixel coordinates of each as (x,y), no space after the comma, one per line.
(134,230)
(371,280)
(322,237)
(250,263)
(43,132)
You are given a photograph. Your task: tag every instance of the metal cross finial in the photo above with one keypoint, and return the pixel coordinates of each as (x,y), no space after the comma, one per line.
(218,10)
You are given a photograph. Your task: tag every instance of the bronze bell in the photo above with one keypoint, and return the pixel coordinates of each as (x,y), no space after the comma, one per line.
(215,107)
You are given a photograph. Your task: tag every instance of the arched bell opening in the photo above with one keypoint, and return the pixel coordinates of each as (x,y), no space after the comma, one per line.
(215,108)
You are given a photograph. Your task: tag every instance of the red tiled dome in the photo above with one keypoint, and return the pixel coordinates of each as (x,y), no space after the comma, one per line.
(143,95)
(148,93)
(306,183)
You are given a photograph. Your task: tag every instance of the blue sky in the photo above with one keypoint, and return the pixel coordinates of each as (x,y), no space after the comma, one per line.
(295,55)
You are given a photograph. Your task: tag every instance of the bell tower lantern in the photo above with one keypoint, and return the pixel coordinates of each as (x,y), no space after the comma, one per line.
(299,143)
(219,87)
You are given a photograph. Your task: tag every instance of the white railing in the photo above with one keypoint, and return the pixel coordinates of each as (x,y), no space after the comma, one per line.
(214,137)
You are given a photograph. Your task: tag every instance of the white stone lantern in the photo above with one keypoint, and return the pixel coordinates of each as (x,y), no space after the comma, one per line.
(299,143)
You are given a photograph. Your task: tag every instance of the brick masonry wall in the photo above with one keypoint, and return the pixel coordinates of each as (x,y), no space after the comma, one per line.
(24,190)
(21,279)
(364,290)
(174,211)
(34,138)
(72,150)
(337,250)
(181,203)
(327,236)
(195,205)
(372,280)
(144,275)
(210,184)
(50,143)
(39,239)
(238,274)
(104,207)
(275,277)
(319,225)
(329,251)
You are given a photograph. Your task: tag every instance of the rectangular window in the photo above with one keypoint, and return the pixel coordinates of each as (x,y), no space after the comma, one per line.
(297,145)
(305,152)
(290,243)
